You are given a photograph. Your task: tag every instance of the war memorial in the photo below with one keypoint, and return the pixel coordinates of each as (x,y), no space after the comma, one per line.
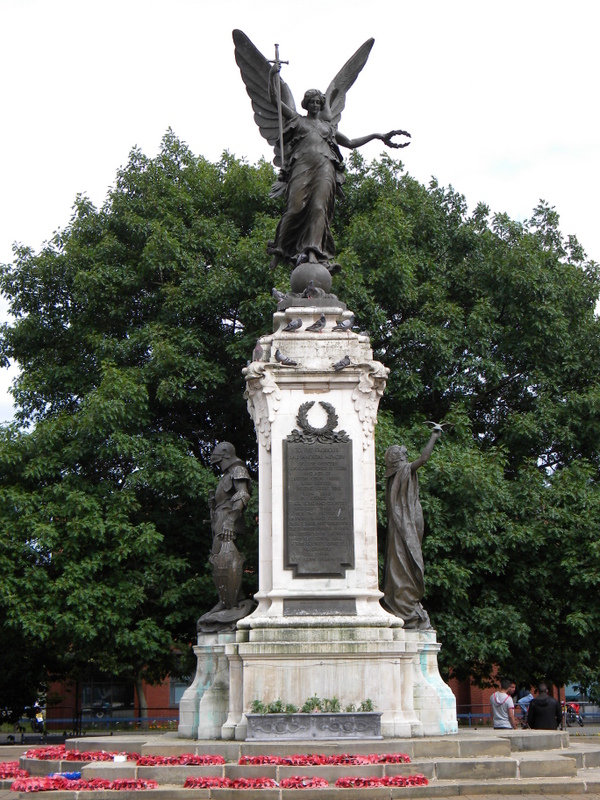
(319,624)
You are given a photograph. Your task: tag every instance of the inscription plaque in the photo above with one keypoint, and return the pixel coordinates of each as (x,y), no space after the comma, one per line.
(319,607)
(318,499)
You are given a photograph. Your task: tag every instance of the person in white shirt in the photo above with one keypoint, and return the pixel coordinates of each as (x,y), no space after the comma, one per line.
(502,706)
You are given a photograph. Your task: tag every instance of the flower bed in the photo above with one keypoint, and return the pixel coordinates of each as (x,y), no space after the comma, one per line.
(10,769)
(314,760)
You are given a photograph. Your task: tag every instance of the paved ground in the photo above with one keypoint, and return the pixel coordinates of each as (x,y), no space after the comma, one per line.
(31,739)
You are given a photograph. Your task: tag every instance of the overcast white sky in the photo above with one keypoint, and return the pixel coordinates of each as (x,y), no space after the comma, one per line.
(501,98)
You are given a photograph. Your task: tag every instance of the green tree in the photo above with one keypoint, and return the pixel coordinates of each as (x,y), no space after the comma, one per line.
(490,324)
(131,328)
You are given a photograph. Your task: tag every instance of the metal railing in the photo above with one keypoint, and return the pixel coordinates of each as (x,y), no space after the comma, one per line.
(479,714)
(110,720)
(474,714)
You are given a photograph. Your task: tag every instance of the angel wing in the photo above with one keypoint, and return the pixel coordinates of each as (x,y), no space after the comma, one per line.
(255,69)
(337,89)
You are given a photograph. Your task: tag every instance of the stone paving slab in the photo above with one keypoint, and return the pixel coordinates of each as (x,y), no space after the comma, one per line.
(229,750)
(132,743)
(586,754)
(472,748)
(547,765)
(476,769)
(518,787)
(535,740)
(591,777)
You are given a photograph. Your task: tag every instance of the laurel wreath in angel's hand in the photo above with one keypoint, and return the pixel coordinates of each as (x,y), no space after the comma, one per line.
(437,427)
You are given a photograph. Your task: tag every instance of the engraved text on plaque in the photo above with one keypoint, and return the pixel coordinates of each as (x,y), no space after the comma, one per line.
(318,501)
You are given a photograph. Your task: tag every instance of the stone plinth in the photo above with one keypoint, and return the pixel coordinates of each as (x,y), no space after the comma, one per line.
(294,659)
(318,627)
(276,396)
(204,706)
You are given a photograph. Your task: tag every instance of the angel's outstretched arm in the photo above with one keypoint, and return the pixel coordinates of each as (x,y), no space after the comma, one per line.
(386,138)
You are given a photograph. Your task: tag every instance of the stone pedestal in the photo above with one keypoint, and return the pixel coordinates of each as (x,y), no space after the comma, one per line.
(434,701)
(204,706)
(319,627)
(317,506)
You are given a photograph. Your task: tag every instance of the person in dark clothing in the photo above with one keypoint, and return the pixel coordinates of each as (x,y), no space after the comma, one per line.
(544,711)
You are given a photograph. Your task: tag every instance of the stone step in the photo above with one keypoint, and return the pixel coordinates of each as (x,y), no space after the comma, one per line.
(471,764)
(438,790)
(587,782)
(586,754)
(547,765)
(531,765)
(465,745)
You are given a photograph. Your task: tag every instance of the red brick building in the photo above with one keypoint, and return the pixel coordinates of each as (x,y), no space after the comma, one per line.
(105,706)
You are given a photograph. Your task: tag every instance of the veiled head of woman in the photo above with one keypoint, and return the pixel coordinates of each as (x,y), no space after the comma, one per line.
(394,456)
(310,95)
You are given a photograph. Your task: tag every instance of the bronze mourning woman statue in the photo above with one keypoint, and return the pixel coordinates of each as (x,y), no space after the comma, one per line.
(306,149)
(403,583)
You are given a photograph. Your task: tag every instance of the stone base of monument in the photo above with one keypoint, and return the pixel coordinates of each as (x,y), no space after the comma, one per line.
(434,701)
(203,708)
(352,661)
(319,627)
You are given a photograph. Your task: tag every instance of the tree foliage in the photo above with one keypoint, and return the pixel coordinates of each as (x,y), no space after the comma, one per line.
(131,328)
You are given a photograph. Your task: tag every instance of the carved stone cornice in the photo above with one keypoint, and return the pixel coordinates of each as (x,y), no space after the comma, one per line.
(262,397)
(366,396)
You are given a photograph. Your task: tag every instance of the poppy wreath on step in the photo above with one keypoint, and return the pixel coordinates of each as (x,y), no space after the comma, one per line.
(303,782)
(387,780)
(184,760)
(60,753)
(62,783)
(10,769)
(314,760)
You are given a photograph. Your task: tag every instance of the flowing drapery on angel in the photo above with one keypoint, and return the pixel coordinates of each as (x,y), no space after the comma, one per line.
(311,166)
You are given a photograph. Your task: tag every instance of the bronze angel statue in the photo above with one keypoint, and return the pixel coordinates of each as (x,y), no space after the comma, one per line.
(306,150)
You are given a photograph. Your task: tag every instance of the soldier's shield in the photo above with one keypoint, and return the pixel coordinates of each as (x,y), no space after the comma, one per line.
(227,573)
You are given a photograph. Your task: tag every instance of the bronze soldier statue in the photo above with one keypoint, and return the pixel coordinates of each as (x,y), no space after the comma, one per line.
(227,505)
